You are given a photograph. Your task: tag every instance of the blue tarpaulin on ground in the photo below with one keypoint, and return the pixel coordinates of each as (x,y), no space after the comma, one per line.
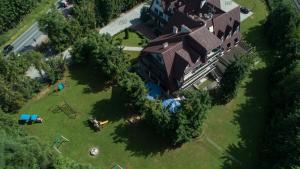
(34,117)
(171,104)
(24,117)
(153,91)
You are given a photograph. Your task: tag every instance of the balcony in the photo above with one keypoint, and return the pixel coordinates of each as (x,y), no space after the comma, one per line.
(202,71)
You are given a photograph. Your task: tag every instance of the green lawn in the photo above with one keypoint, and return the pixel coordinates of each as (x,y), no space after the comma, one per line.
(11,35)
(132,55)
(232,132)
(134,39)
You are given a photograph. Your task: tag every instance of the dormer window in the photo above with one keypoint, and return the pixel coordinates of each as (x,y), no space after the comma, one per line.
(237,29)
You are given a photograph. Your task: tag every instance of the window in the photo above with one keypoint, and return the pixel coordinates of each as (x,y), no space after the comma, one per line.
(236,40)
(157,2)
(228,46)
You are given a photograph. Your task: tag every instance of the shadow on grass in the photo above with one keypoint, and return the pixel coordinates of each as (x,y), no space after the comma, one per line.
(140,139)
(250,117)
(112,109)
(257,38)
(85,75)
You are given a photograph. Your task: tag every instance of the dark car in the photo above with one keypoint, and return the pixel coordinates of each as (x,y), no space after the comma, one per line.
(7,49)
(244,10)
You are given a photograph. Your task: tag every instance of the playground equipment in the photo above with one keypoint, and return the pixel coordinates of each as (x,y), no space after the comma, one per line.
(117,166)
(59,140)
(97,124)
(94,151)
(25,118)
(60,86)
(66,109)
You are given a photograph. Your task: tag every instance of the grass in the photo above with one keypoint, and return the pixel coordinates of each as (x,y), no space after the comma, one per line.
(204,84)
(11,35)
(132,55)
(232,132)
(134,38)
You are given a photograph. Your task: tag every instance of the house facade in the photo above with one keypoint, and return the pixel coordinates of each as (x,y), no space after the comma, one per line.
(196,33)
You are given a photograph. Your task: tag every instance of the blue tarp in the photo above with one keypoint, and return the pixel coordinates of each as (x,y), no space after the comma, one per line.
(153,91)
(24,117)
(34,117)
(171,104)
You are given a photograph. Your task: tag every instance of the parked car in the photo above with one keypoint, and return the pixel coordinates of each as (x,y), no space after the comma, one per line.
(245,10)
(7,49)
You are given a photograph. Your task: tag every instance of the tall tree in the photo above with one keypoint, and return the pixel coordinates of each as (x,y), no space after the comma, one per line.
(233,77)
(103,53)
(191,115)
(56,26)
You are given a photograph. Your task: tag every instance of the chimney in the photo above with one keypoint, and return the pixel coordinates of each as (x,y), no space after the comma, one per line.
(185,29)
(175,29)
(165,45)
(203,2)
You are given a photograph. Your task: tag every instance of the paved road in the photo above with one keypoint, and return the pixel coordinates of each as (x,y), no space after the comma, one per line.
(28,38)
(132,48)
(126,20)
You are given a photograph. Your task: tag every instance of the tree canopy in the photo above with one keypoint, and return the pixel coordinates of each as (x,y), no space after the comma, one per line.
(13,11)
(233,77)
(101,52)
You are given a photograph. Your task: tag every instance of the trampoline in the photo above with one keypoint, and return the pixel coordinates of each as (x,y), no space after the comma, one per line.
(24,117)
(154,91)
(34,117)
(171,104)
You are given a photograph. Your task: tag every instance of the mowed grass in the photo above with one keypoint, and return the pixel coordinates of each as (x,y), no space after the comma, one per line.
(11,35)
(231,137)
(134,39)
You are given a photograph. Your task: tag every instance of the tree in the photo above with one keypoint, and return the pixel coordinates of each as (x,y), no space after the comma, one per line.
(189,118)
(135,90)
(13,11)
(36,60)
(56,26)
(101,52)
(84,13)
(158,118)
(282,24)
(15,87)
(18,150)
(233,77)
(54,69)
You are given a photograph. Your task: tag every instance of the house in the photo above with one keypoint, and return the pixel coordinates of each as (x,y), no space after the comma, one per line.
(196,33)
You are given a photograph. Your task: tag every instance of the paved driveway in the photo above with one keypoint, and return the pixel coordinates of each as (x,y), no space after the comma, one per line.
(126,20)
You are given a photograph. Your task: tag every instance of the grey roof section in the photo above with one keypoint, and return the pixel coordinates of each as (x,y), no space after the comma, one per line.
(228,5)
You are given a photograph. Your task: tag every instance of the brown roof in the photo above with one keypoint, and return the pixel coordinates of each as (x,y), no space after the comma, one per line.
(179,45)
(186,50)
(230,19)
(205,38)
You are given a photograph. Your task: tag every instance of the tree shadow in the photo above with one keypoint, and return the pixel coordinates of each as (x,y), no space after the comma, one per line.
(250,117)
(85,75)
(141,140)
(112,109)
(257,38)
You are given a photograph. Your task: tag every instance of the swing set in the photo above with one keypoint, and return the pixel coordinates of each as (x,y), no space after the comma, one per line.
(59,140)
